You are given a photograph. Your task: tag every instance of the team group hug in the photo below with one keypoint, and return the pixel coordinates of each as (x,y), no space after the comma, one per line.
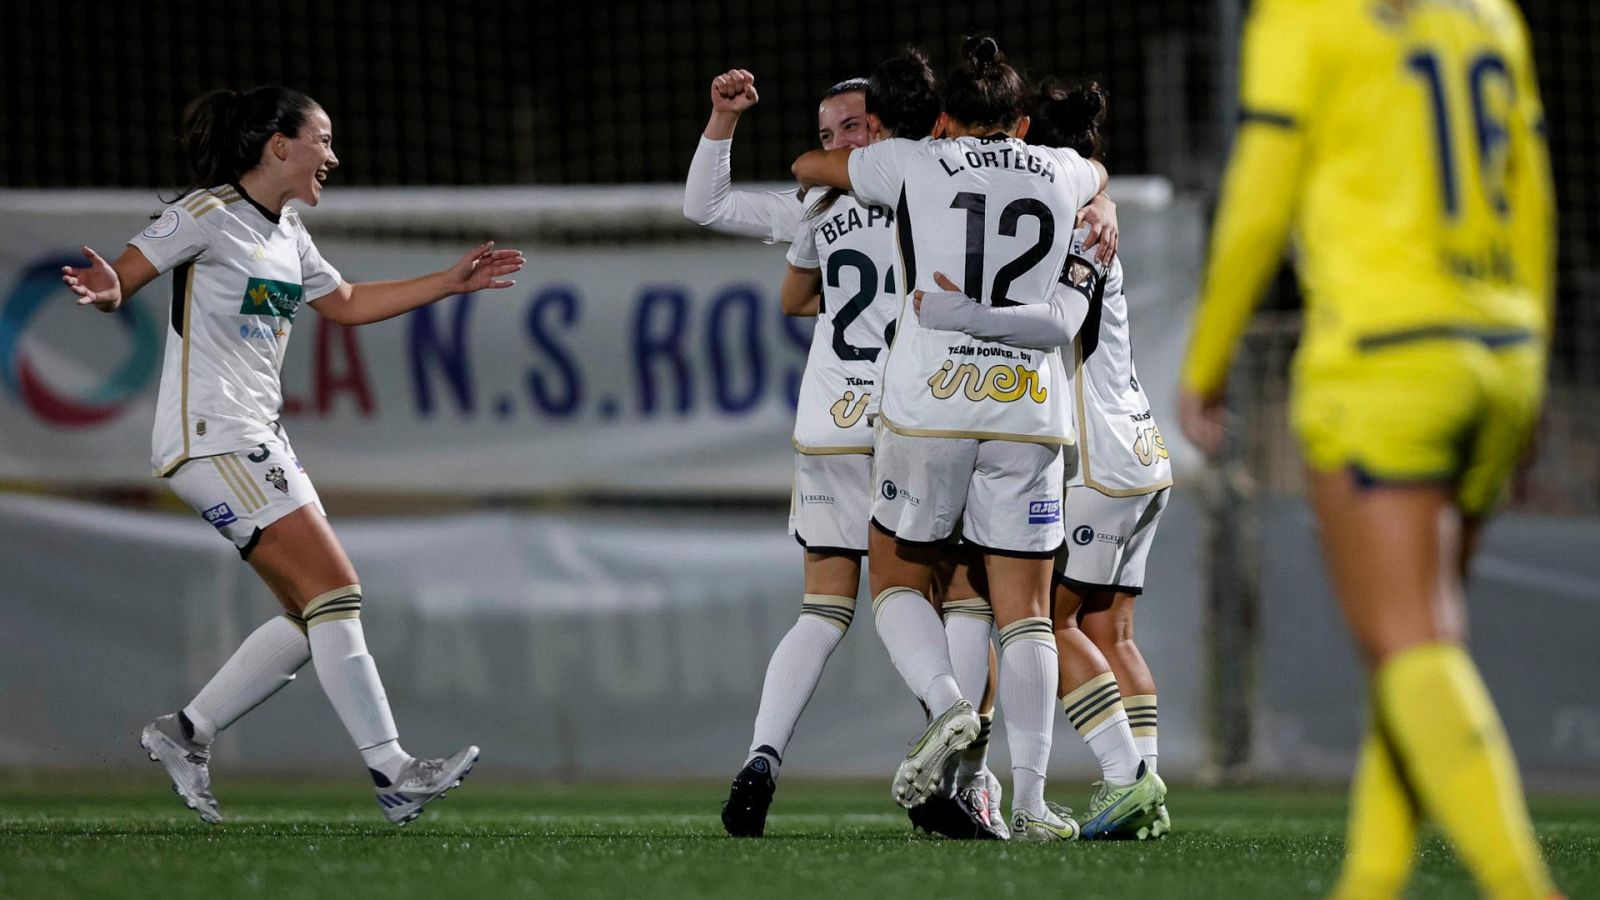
(971,427)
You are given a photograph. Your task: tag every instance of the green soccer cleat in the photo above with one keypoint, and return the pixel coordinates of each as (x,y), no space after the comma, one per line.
(1162,826)
(1057,824)
(919,775)
(1126,811)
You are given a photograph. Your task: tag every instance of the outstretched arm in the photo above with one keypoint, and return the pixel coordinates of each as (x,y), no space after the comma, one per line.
(105,285)
(373,301)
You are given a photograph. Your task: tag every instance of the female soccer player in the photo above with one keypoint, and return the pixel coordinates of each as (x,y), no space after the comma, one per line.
(242,265)
(1402,144)
(841,267)
(971,430)
(1117,483)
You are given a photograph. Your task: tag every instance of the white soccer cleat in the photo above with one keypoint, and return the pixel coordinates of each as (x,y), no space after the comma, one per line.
(997,818)
(423,781)
(920,774)
(186,762)
(1057,824)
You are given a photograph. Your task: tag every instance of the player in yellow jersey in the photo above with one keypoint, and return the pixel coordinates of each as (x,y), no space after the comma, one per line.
(1400,141)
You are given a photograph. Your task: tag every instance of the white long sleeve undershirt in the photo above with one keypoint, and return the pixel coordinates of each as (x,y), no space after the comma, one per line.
(709,199)
(1036,326)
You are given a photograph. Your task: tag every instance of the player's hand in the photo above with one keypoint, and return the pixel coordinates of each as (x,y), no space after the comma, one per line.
(1201,419)
(482,268)
(734,91)
(1101,217)
(96,283)
(933,307)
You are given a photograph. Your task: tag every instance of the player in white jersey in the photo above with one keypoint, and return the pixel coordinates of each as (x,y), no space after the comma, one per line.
(972,430)
(243,265)
(841,252)
(1114,425)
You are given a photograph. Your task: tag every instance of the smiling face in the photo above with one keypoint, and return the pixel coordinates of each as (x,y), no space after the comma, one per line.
(842,121)
(307,158)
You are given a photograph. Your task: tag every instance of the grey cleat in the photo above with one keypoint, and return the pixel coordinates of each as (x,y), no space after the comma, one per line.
(186,763)
(920,774)
(423,781)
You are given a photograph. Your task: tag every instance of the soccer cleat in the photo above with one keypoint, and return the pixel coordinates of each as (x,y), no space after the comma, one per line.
(1057,824)
(993,792)
(961,817)
(1162,825)
(919,775)
(186,763)
(1127,811)
(744,813)
(423,781)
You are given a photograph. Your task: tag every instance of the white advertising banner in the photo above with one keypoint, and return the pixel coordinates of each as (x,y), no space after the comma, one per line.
(653,368)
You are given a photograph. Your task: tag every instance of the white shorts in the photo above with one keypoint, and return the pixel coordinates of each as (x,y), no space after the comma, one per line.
(243,492)
(1005,495)
(1108,539)
(832,501)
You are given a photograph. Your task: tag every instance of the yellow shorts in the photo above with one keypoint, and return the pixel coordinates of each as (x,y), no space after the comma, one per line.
(1451,409)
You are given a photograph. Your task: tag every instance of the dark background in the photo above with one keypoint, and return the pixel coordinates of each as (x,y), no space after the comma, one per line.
(501,92)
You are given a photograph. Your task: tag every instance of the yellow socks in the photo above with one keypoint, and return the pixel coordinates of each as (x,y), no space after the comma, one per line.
(1382,831)
(1451,749)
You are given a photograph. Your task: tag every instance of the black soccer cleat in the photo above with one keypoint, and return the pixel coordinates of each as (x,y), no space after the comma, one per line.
(953,818)
(744,813)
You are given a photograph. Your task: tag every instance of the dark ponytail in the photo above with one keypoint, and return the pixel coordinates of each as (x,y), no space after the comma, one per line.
(904,94)
(223,131)
(984,89)
(1070,117)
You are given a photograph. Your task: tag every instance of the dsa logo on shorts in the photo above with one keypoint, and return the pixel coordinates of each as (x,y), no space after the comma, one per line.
(220,515)
(1044,512)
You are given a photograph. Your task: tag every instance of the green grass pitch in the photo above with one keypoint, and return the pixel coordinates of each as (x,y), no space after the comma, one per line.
(130,837)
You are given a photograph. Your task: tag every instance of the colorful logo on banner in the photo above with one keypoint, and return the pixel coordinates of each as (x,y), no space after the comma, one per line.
(38,285)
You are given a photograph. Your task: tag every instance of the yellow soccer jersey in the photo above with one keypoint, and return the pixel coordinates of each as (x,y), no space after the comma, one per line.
(1401,141)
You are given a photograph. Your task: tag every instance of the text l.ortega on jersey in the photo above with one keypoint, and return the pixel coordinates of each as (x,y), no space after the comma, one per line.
(1006,384)
(1149,445)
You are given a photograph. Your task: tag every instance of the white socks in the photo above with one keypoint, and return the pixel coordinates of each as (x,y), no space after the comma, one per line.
(914,636)
(967,627)
(350,679)
(1142,721)
(1027,694)
(794,670)
(263,664)
(1095,709)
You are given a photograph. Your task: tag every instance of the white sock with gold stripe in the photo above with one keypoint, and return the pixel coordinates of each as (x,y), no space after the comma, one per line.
(1142,721)
(350,679)
(1027,694)
(1095,709)
(263,664)
(796,667)
(914,636)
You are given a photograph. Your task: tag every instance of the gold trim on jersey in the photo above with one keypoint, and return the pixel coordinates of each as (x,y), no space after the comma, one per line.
(1083,429)
(183,403)
(805,450)
(977,435)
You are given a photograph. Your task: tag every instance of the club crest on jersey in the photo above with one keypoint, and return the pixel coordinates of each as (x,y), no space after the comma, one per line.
(266,297)
(1006,384)
(275,477)
(220,515)
(164,227)
(844,414)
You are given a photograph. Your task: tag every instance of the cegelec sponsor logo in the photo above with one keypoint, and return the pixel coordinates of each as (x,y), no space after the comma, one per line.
(39,284)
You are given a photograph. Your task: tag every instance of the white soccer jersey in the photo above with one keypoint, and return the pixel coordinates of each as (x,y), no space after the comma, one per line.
(1120,450)
(995,215)
(240,275)
(853,245)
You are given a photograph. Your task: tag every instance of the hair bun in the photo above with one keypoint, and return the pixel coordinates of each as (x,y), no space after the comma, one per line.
(1089,100)
(981,50)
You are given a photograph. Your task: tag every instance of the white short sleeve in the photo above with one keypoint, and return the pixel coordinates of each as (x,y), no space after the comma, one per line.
(878,171)
(173,239)
(803,250)
(318,277)
(1080,176)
